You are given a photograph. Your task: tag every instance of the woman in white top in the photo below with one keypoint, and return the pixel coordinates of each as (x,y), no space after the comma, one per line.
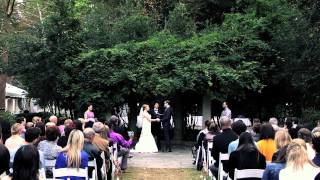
(298,164)
(146,142)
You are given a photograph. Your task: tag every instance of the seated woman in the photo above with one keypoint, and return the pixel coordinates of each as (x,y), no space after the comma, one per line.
(282,140)
(267,145)
(298,164)
(63,140)
(72,156)
(273,169)
(247,156)
(49,146)
(25,164)
(213,130)
(5,161)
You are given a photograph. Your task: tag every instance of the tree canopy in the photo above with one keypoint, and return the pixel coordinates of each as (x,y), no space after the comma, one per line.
(115,52)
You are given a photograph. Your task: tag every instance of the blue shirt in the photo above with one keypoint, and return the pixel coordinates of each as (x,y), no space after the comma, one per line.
(316,160)
(62,162)
(272,171)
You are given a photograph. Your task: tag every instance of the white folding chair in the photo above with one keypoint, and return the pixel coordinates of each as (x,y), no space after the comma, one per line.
(209,157)
(221,172)
(42,174)
(198,156)
(104,167)
(93,164)
(204,157)
(248,173)
(114,157)
(63,172)
(50,163)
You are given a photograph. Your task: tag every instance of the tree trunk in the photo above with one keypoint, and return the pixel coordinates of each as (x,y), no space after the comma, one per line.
(178,118)
(3,81)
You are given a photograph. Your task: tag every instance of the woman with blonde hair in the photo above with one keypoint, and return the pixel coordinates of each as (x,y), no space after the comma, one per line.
(72,156)
(282,139)
(298,164)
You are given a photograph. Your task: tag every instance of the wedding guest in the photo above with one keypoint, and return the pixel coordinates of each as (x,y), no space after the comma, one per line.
(89,116)
(31,138)
(238,127)
(72,156)
(5,161)
(266,145)
(282,139)
(305,134)
(101,141)
(213,130)
(316,147)
(49,146)
(246,156)
(29,125)
(274,123)
(273,169)
(256,129)
(63,140)
(202,134)
(79,124)
(26,164)
(53,119)
(226,111)
(36,119)
(124,145)
(92,151)
(221,143)
(42,128)
(15,141)
(292,131)
(298,163)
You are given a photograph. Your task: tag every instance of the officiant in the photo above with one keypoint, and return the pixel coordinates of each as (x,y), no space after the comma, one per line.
(156,126)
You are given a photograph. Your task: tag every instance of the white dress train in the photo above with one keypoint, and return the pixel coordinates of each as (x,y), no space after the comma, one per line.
(146,141)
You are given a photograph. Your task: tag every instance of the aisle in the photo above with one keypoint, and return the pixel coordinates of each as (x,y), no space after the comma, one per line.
(180,158)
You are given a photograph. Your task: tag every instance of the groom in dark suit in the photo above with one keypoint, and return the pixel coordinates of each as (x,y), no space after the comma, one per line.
(165,120)
(155,125)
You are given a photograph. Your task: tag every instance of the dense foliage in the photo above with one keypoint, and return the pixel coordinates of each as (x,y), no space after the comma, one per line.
(263,53)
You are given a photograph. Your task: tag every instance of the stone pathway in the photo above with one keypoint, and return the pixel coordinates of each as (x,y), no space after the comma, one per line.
(181,157)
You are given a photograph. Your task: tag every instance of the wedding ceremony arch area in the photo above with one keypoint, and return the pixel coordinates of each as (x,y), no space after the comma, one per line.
(159,89)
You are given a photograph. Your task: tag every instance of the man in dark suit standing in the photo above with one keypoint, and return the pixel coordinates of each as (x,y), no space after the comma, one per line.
(166,124)
(155,125)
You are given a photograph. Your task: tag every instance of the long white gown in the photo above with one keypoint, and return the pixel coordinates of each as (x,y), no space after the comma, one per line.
(146,142)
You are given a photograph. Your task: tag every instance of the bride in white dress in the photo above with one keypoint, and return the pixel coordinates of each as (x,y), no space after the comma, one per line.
(146,142)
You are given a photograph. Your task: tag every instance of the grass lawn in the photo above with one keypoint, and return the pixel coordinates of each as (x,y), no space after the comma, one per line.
(161,174)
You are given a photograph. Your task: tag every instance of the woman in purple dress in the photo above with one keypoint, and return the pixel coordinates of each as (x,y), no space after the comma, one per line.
(89,116)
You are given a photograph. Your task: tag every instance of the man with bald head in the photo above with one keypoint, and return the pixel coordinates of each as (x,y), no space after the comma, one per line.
(92,151)
(221,143)
(53,119)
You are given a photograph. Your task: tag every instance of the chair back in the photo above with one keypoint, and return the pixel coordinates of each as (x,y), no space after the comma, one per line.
(222,157)
(248,173)
(50,163)
(210,159)
(67,172)
(93,164)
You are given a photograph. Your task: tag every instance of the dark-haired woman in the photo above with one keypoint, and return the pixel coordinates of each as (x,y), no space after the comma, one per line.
(247,156)
(49,146)
(25,164)
(4,161)
(267,145)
